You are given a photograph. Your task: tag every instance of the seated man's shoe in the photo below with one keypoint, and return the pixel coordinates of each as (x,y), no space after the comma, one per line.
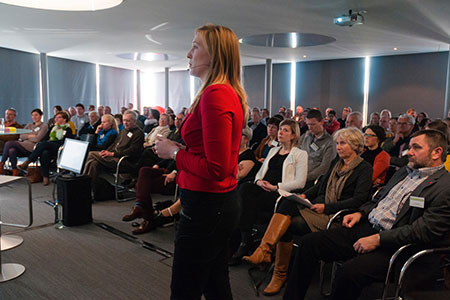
(145,227)
(24,166)
(15,172)
(2,170)
(136,212)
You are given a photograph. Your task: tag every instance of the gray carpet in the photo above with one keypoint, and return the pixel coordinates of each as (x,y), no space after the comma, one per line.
(87,262)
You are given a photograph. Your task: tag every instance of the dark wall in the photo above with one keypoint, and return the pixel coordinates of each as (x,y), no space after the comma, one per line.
(254,85)
(281,86)
(403,81)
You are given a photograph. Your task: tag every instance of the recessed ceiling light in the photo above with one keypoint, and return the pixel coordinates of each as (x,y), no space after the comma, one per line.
(304,56)
(395,49)
(68,5)
(148,56)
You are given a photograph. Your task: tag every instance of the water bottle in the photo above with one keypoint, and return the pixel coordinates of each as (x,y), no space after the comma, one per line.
(58,215)
(2,124)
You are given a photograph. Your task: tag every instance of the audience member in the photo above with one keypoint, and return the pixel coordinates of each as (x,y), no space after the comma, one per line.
(379,159)
(298,114)
(265,115)
(375,118)
(258,128)
(100,111)
(319,146)
(285,168)
(345,112)
(369,237)
(129,142)
(282,110)
(91,127)
(10,121)
(118,118)
(72,126)
(331,125)
(289,113)
(354,119)
(151,121)
(80,119)
(423,123)
(72,111)
(24,146)
(270,141)
(130,106)
(175,135)
(51,121)
(247,163)
(108,110)
(386,112)
(161,130)
(346,185)
(398,145)
(421,116)
(91,107)
(123,109)
(442,127)
(105,134)
(47,149)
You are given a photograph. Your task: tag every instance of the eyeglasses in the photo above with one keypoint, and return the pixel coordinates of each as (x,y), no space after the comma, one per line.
(403,123)
(371,135)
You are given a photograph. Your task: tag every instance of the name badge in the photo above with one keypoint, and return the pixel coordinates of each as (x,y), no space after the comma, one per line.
(36,129)
(314,147)
(274,143)
(418,202)
(64,133)
(102,136)
(130,134)
(291,160)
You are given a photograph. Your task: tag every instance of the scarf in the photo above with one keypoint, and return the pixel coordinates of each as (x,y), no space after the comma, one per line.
(370,155)
(57,132)
(337,179)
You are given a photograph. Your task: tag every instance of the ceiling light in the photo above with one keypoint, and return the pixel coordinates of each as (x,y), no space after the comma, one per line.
(395,49)
(304,56)
(68,5)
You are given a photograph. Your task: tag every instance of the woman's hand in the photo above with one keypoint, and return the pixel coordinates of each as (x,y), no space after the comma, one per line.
(169,177)
(164,147)
(318,208)
(265,185)
(99,127)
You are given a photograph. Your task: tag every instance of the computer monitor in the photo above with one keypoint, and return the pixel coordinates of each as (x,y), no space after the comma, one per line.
(73,155)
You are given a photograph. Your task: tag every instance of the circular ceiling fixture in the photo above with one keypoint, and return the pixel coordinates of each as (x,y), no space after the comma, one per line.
(148,56)
(287,40)
(66,5)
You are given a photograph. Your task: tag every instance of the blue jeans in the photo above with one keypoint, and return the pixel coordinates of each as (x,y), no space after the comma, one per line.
(200,264)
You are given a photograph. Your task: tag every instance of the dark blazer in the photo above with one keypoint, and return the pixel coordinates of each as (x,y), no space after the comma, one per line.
(418,225)
(355,193)
(259,133)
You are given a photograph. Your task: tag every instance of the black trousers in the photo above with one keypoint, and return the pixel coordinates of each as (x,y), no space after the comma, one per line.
(254,200)
(358,271)
(200,263)
(46,151)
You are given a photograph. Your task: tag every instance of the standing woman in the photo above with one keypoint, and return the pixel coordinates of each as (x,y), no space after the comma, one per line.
(208,166)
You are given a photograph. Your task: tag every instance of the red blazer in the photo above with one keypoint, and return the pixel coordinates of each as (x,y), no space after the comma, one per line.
(212,135)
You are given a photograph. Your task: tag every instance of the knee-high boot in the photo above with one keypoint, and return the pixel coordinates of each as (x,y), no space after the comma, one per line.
(282,259)
(277,228)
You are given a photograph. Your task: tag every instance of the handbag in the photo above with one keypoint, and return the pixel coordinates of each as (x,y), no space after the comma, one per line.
(34,174)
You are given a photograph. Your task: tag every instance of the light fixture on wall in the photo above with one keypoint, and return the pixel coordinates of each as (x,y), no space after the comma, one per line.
(66,5)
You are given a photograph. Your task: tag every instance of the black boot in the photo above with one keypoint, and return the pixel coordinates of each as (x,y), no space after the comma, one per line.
(244,248)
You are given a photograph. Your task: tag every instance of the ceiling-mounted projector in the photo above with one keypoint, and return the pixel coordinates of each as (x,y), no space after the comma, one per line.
(350,19)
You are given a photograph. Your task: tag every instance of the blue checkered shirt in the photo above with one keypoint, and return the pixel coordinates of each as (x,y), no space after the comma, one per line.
(383,216)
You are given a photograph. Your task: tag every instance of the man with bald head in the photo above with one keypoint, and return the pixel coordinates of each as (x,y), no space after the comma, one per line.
(354,119)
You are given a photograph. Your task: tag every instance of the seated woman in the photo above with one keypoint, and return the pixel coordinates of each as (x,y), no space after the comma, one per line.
(105,134)
(24,146)
(284,168)
(374,135)
(247,163)
(347,184)
(270,141)
(157,179)
(48,148)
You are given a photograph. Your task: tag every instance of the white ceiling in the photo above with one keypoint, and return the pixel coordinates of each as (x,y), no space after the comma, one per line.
(413,26)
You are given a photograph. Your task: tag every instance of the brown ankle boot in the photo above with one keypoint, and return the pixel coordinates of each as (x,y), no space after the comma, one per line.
(45,180)
(15,172)
(276,229)
(24,166)
(2,170)
(282,259)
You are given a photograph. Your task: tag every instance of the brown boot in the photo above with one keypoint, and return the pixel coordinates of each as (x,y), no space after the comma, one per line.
(282,258)
(145,227)
(45,180)
(15,172)
(2,170)
(136,212)
(24,166)
(276,229)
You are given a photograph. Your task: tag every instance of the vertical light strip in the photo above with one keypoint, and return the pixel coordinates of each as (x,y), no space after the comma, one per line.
(97,84)
(41,96)
(293,80)
(192,87)
(294,39)
(366,89)
(134,101)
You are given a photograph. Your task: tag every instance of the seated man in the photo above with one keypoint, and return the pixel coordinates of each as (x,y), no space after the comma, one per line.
(319,146)
(259,129)
(91,127)
(10,121)
(331,125)
(414,207)
(162,129)
(80,119)
(128,142)
(397,146)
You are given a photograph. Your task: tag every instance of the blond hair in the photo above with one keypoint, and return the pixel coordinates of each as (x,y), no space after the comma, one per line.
(225,65)
(352,136)
(111,120)
(294,128)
